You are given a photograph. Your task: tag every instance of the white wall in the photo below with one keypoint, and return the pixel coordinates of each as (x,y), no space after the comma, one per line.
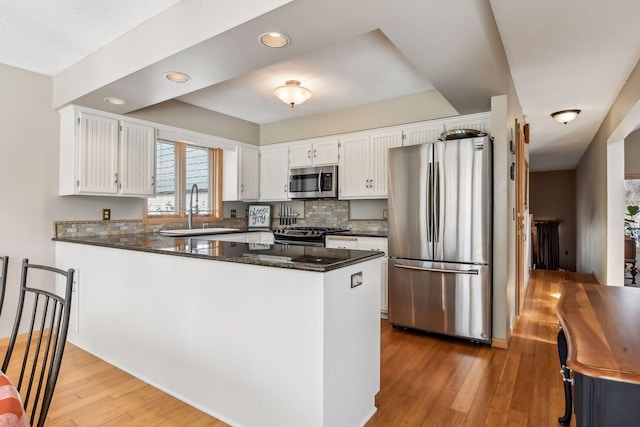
(29,180)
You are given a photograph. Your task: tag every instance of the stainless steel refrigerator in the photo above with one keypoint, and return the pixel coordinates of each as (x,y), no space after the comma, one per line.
(440,229)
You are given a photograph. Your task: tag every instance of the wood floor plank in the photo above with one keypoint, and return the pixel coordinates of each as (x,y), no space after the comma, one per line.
(426,380)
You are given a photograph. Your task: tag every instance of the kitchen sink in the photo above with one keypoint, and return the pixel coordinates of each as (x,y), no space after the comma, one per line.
(197,231)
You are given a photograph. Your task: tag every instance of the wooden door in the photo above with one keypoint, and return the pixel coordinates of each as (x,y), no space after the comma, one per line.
(521,176)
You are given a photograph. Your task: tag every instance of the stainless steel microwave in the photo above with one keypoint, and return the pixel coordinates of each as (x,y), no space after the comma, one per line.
(320,182)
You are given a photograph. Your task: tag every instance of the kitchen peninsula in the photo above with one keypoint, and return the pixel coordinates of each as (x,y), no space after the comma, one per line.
(251,333)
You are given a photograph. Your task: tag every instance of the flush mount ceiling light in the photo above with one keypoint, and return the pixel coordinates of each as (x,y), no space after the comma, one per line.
(176,76)
(115,101)
(275,40)
(565,116)
(292,93)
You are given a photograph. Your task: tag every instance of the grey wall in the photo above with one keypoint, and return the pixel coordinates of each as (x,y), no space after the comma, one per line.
(552,196)
(591,184)
(632,154)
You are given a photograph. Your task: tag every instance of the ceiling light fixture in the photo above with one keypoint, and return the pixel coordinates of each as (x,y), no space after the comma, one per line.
(292,93)
(565,116)
(115,101)
(275,40)
(176,76)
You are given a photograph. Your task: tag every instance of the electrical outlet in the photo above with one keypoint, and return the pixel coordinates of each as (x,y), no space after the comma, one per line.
(233,213)
(385,213)
(106,214)
(356,279)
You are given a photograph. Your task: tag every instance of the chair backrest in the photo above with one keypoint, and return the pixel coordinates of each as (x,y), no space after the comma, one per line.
(4,260)
(44,342)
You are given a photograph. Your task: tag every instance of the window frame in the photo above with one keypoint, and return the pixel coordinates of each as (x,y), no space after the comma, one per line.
(215,185)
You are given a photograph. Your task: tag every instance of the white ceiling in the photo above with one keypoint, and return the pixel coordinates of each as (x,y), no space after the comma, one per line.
(561,54)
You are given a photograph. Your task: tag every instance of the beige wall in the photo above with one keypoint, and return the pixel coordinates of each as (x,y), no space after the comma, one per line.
(632,154)
(552,196)
(591,182)
(29,179)
(406,109)
(187,116)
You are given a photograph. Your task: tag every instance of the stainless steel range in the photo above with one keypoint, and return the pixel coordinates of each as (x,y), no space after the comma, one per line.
(306,236)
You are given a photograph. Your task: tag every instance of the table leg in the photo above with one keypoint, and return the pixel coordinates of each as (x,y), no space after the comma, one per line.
(634,271)
(566,379)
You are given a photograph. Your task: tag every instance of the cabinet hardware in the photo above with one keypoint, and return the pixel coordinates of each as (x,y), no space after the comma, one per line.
(116,178)
(314,154)
(153,181)
(309,154)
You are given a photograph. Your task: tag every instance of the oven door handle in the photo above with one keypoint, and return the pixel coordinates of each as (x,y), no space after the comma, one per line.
(438,270)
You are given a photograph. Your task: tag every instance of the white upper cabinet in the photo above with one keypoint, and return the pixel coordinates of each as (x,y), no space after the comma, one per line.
(274,173)
(240,174)
(422,133)
(101,155)
(137,160)
(363,164)
(314,152)
(248,173)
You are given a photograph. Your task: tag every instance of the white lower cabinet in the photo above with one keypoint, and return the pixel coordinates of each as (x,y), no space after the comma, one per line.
(371,244)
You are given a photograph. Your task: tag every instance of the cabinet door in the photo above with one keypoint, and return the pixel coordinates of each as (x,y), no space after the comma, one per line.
(354,167)
(97,155)
(379,147)
(325,152)
(300,155)
(137,160)
(249,166)
(341,242)
(274,173)
(422,134)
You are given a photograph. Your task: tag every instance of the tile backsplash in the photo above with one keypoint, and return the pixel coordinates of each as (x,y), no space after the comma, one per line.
(319,213)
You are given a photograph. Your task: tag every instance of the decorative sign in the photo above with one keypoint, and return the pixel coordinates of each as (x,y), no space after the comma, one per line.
(259,216)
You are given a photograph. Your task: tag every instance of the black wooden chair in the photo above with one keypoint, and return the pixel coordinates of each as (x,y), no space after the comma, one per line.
(4,265)
(47,315)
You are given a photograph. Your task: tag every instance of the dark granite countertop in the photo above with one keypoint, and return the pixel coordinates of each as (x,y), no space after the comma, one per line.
(308,258)
(359,233)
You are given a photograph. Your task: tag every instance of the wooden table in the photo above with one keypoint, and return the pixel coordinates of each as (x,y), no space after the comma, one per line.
(602,329)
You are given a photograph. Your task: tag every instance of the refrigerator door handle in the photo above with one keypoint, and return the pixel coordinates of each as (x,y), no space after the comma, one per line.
(429,210)
(436,214)
(438,270)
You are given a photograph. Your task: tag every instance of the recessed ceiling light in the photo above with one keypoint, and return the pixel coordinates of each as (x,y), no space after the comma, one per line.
(274,40)
(115,101)
(177,77)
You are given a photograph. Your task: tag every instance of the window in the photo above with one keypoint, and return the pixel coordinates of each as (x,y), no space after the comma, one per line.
(181,168)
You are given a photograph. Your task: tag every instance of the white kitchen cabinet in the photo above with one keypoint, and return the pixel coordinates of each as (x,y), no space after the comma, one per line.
(274,173)
(240,174)
(371,244)
(314,152)
(341,242)
(363,164)
(101,155)
(421,133)
(137,160)
(260,237)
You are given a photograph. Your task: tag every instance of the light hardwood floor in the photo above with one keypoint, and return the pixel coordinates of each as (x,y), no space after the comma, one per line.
(425,380)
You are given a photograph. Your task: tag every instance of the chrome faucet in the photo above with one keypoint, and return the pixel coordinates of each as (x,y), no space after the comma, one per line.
(190,218)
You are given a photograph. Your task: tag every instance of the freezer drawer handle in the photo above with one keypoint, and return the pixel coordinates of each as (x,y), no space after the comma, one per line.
(439,270)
